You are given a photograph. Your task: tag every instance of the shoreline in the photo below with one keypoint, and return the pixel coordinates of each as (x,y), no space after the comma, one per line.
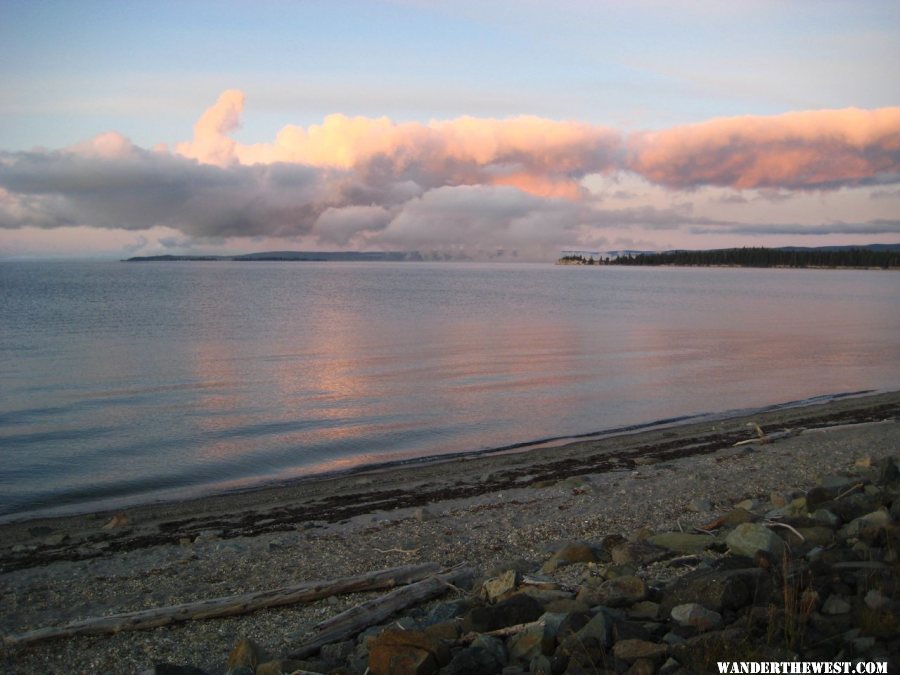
(74,511)
(480,511)
(419,482)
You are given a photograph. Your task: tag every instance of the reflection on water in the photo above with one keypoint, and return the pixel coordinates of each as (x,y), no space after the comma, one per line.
(135,382)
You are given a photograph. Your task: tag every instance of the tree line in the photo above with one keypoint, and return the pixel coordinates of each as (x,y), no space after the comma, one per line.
(765,257)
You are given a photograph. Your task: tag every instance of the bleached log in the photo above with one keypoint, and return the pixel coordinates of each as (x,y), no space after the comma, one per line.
(372,612)
(230,605)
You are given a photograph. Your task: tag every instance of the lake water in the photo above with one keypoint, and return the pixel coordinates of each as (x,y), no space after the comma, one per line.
(124,383)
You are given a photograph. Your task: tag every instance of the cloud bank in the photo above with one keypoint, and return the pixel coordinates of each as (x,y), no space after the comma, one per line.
(466,184)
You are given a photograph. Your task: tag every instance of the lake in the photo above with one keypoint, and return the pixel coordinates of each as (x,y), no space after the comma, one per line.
(131,382)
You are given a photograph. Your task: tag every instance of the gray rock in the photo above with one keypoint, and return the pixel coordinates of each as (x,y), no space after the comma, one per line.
(835,604)
(876,600)
(640,553)
(485,655)
(618,592)
(871,521)
(696,616)
(825,517)
(700,505)
(748,538)
(719,589)
(682,542)
(540,665)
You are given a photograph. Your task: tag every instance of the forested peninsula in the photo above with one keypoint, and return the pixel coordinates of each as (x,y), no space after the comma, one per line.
(887,257)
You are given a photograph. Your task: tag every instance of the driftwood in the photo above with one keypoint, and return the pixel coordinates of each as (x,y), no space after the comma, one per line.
(230,605)
(372,612)
(499,632)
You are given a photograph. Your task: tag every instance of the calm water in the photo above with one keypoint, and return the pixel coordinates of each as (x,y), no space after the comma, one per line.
(126,383)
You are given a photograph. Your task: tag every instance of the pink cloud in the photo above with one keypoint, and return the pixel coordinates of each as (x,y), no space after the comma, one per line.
(539,156)
(801,150)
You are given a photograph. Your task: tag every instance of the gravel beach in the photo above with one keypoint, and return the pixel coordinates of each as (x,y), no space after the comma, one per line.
(481,510)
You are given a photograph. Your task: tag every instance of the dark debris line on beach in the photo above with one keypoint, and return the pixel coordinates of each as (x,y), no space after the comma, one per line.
(342,507)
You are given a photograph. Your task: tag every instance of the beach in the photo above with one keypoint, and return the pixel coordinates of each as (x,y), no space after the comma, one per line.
(483,510)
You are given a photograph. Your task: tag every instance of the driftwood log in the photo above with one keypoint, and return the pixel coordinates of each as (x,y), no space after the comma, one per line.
(372,612)
(231,605)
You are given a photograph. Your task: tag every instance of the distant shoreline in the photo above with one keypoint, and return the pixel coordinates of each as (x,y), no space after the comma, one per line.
(875,256)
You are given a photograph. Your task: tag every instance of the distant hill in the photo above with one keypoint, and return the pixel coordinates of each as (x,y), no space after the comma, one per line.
(299,256)
(870,256)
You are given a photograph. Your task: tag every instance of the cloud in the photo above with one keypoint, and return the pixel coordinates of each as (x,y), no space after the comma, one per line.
(817,150)
(481,184)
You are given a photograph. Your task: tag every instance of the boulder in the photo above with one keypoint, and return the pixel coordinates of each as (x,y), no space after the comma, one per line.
(682,542)
(406,652)
(748,538)
(719,589)
(640,553)
(500,585)
(574,552)
(696,616)
(632,650)
(618,592)
(246,653)
(485,655)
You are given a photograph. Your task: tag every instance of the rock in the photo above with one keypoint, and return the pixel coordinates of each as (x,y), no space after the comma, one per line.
(485,655)
(246,653)
(681,542)
(337,651)
(632,650)
(669,667)
(278,667)
(719,589)
(887,471)
(780,499)
(640,553)
(406,652)
(172,669)
(445,630)
(617,592)
(575,552)
(545,597)
(733,518)
(499,585)
(876,600)
(835,604)
(837,483)
(700,505)
(595,632)
(533,641)
(644,610)
(540,665)
(825,517)
(748,538)
(240,670)
(866,525)
(696,616)
(517,609)
(641,534)
(642,667)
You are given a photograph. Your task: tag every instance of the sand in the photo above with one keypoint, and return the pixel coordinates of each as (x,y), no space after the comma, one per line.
(478,509)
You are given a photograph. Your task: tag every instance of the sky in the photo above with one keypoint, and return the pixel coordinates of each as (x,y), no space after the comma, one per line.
(505,129)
